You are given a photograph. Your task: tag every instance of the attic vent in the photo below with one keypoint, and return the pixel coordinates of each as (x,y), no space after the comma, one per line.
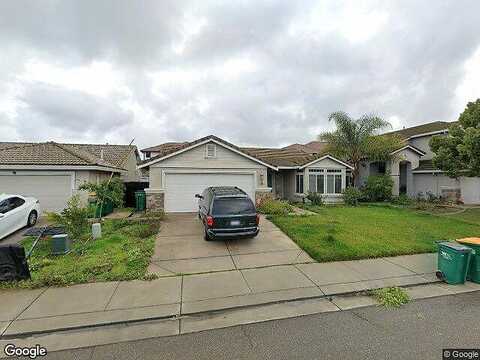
(211,151)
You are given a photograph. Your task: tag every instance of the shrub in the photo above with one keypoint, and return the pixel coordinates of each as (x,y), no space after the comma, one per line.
(107,190)
(74,218)
(378,188)
(402,199)
(352,196)
(315,198)
(274,207)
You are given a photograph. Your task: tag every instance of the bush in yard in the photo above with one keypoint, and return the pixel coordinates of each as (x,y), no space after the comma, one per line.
(112,189)
(378,188)
(271,206)
(315,198)
(74,218)
(402,199)
(351,196)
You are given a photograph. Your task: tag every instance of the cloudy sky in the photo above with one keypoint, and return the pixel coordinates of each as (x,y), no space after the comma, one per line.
(253,72)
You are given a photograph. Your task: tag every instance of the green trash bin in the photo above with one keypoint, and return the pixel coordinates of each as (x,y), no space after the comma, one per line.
(474,271)
(453,262)
(140,200)
(107,208)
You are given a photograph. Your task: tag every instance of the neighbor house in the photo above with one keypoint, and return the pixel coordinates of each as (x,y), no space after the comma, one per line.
(179,170)
(52,172)
(413,172)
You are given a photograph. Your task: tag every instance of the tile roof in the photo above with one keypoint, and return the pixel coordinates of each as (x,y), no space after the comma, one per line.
(165,147)
(52,153)
(288,156)
(281,157)
(422,129)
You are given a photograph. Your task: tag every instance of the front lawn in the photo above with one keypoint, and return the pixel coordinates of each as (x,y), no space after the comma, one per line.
(122,253)
(346,233)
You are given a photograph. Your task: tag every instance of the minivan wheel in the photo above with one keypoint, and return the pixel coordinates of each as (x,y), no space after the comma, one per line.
(206,236)
(32,218)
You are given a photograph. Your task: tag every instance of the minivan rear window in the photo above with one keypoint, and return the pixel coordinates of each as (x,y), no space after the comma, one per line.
(233,206)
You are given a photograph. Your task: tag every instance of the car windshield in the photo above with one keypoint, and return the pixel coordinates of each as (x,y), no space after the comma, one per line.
(233,206)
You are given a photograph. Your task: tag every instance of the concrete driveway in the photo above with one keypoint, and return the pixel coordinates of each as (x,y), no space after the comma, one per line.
(181,249)
(17,236)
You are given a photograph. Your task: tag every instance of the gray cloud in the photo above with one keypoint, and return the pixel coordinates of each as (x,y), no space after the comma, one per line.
(256,73)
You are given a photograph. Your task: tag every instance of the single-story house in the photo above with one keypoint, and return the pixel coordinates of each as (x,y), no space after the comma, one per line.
(180,170)
(52,172)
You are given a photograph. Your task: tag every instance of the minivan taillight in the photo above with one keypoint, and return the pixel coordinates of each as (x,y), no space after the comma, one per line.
(258,219)
(209,221)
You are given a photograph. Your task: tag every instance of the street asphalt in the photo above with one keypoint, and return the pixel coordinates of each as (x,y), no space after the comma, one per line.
(419,330)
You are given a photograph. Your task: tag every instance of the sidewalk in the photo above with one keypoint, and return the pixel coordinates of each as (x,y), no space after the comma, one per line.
(26,312)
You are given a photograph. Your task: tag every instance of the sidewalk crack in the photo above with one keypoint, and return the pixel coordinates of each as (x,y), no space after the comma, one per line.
(21,312)
(111,296)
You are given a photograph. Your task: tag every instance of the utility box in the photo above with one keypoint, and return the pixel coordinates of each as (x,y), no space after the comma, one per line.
(61,244)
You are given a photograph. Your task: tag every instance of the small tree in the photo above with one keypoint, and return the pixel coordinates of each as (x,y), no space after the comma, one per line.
(111,189)
(74,218)
(458,153)
(357,140)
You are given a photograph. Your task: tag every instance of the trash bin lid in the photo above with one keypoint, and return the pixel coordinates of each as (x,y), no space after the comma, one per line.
(455,246)
(469,240)
(59,236)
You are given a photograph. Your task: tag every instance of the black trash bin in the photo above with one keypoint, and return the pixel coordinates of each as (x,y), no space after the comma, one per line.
(13,265)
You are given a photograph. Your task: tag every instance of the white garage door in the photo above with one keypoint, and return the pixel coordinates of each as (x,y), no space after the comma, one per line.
(180,189)
(53,191)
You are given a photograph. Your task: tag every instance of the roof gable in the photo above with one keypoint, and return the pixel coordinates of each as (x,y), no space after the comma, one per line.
(194,144)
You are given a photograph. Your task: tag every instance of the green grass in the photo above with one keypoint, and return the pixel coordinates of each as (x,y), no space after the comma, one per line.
(391,297)
(347,233)
(471,215)
(122,253)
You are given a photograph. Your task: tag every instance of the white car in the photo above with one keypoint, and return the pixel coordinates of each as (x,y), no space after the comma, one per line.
(16,212)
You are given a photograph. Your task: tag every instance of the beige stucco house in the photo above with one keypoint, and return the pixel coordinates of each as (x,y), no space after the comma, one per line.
(53,172)
(180,170)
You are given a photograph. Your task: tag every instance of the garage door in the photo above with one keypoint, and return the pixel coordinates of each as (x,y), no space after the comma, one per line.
(180,189)
(53,191)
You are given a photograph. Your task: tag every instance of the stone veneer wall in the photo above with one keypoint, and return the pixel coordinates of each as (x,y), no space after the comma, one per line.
(155,201)
(260,195)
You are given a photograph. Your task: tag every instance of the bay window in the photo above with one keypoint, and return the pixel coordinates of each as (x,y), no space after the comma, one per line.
(325,181)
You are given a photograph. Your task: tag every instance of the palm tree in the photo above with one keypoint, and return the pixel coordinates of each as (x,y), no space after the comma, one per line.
(355,140)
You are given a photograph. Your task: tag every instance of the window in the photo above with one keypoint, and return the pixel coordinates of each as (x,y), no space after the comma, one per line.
(269,179)
(148,155)
(325,181)
(299,183)
(316,181)
(233,206)
(10,204)
(4,206)
(349,179)
(211,151)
